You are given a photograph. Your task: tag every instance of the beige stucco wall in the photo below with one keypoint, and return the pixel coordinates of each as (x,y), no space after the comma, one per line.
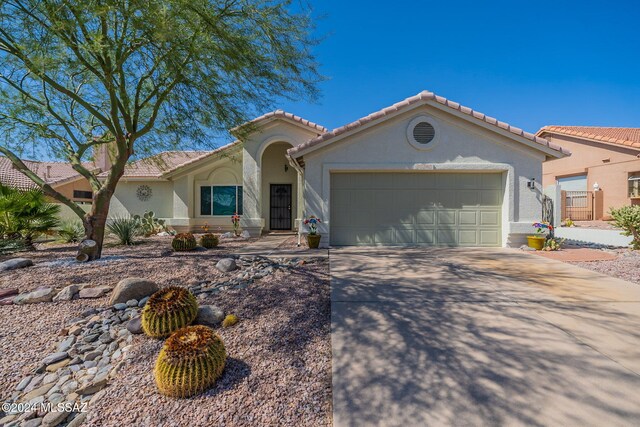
(460,146)
(591,158)
(273,172)
(68,188)
(125,202)
(256,201)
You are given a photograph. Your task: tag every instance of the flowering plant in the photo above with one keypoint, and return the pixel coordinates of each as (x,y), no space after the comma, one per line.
(235,220)
(205,227)
(541,226)
(312,222)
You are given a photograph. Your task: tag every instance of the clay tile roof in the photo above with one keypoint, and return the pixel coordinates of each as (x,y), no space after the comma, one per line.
(628,137)
(424,97)
(51,172)
(166,162)
(292,117)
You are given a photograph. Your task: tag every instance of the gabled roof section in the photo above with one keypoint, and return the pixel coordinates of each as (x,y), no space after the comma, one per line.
(280,114)
(425,97)
(53,173)
(167,162)
(625,137)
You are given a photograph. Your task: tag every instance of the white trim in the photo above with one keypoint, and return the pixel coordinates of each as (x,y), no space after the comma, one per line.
(508,202)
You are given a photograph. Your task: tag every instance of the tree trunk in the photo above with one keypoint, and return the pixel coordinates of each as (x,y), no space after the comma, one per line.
(94,227)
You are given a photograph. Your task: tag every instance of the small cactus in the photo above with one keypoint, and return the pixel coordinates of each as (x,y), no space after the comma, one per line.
(209,241)
(183,242)
(191,361)
(229,320)
(168,310)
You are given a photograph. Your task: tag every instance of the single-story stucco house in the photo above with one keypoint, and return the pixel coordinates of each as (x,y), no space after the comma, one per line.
(603,172)
(424,171)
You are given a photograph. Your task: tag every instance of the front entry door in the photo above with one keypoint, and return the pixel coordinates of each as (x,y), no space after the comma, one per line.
(280,207)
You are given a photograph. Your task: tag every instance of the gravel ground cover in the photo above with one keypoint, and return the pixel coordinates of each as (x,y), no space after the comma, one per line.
(151,258)
(278,371)
(626,266)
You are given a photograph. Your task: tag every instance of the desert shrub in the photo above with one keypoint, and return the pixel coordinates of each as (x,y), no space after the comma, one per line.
(70,231)
(168,310)
(9,246)
(191,361)
(628,219)
(553,244)
(230,320)
(184,242)
(209,241)
(26,215)
(149,224)
(126,229)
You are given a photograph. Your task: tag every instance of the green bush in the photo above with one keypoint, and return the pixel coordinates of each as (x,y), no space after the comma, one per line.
(70,231)
(25,215)
(628,218)
(126,229)
(9,246)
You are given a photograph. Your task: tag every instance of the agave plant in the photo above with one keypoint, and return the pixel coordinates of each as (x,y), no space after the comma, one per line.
(126,229)
(26,215)
(70,231)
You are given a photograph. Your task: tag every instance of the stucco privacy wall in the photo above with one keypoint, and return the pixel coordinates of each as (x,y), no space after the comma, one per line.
(277,131)
(460,146)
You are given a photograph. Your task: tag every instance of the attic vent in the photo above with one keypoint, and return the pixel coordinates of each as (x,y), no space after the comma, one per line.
(424,133)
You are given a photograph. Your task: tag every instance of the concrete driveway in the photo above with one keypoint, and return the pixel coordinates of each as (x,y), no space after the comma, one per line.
(480,337)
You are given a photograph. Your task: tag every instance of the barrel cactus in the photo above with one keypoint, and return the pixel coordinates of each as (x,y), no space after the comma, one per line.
(209,241)
(168,310)
(229,320)
(183,242)
(191,361)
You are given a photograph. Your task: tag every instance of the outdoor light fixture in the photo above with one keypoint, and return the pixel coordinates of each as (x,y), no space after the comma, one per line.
(531,183)
(286,167)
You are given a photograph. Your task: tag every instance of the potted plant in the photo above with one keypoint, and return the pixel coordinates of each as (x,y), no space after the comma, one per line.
(235,220)
(313,238)
(537,241)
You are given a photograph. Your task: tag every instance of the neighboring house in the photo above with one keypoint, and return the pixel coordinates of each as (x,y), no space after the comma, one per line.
(604,159)
(424,171)
(58,175)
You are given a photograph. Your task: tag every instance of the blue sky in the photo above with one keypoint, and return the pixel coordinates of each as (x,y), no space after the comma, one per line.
(530,63)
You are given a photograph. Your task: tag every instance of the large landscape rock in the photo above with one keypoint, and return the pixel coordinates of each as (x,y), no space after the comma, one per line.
(15,263)
(226,265)
(96,292)
(39,295)
(132,288)
(67,293)
(209,315)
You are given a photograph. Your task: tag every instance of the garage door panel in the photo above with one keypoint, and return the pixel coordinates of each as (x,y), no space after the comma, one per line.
(490,237)
(429,208)
(468,237)
(446,237)
(468,218)
(446,217)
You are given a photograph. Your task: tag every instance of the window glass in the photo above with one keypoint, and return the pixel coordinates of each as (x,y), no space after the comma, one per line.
(205,200)
(224,200)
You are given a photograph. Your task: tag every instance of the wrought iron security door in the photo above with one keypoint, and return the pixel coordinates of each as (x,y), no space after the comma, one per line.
(280,207)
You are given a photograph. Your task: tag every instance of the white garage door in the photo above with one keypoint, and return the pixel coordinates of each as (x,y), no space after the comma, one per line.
(429,209)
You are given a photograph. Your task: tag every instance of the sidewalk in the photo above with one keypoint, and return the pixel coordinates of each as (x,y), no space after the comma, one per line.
(268,246)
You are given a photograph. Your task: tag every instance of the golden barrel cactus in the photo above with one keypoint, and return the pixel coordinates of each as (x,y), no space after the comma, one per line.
(191,361)
(184,242)
(168,310)
(209,241)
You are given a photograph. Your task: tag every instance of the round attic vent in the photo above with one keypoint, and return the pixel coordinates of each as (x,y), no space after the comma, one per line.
(423,133)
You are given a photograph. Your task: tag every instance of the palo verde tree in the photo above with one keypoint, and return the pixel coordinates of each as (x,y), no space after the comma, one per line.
(139,76)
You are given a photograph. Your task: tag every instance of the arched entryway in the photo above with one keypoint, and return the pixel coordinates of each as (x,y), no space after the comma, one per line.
(279,188)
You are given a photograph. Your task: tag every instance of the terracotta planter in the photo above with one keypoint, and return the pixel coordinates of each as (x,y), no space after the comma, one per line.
(313,240)
(536,242)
